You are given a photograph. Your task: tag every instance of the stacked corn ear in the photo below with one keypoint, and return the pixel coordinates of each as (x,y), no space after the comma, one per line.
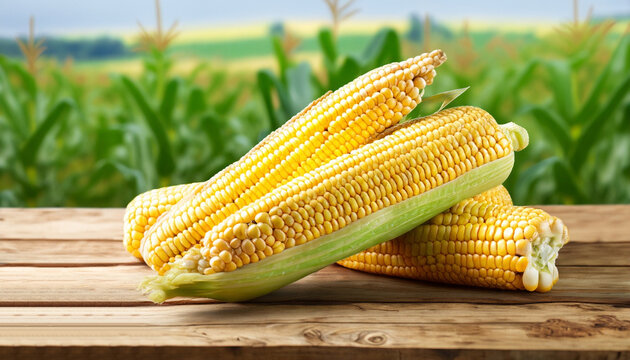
(372,194)
(328,184)
(334,125)
(483,241)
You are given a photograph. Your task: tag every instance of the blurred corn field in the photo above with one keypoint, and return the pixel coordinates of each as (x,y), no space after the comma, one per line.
(68,138)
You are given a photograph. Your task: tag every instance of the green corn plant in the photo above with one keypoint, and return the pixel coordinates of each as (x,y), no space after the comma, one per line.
(195,130)
(584,123)
(33,152)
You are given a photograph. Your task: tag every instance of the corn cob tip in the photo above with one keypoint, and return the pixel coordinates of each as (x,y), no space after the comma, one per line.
(518,135)
(541,273)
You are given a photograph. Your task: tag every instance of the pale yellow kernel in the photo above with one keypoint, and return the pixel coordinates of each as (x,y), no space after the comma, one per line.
(265,228)
(259,244)
(235,243)
(231,266)
(276,222)
(217,264)
(501,248)
(226,256)
(262,217)
(253,231)
(240,231)
(248,247)
(529,231)
(521,265)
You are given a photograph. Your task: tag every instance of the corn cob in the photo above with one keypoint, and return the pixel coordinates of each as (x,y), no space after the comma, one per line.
(359,199)
(484,241)
(334,125)
(144,209)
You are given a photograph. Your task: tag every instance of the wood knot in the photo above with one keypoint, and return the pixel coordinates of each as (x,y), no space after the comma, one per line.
(373,338)
(313,336)
(611,322)
(563,328)
(556,328)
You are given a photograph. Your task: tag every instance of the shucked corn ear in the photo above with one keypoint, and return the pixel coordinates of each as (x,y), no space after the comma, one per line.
(331,126)
(483,241)
(358,199)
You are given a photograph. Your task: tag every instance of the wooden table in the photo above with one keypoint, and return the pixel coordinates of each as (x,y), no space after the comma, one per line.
(68,290)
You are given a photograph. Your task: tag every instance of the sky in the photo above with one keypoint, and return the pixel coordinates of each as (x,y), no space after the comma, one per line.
(76,17)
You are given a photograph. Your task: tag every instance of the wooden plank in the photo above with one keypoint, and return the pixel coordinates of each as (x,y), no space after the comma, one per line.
(36,252)
(116,286)
(93,308)
(294,353)
(61,223)
(98,252)
(104,252)
(263,313)
(594,254)
(587,223)
(593,223)
(565,327)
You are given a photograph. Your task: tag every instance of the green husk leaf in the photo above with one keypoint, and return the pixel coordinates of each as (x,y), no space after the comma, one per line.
(443,98)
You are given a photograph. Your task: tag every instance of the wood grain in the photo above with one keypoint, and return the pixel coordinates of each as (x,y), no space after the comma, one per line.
(68,290)
(430,326)
(590,223)
(594,223)
(75,253)
(64,224)
(116,286)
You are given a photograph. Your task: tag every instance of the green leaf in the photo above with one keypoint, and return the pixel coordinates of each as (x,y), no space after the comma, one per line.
(213,127)
(106,139)
(217,82)
(383,49)
(552,169)
(567,183)
(9,104)
(562,87)
(349,70)
(199,68)
(553,125)
(104,169)
(9,198)
(229,100)
(443,99)
(165,162)
(590,106)
(30,149)
(281,57)
(169,99)
(267,81)
(591,131)
(523,76)
(525,184)
(299,87)
(327,44)
(28,82)
(196,103)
